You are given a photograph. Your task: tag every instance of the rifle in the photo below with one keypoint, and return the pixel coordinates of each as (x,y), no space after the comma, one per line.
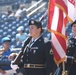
(43,16)
(18,57)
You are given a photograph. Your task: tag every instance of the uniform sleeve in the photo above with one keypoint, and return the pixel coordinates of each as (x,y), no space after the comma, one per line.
(49,59)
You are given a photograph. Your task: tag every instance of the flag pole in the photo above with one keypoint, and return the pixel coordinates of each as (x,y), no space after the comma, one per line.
(63,66)
(64,72)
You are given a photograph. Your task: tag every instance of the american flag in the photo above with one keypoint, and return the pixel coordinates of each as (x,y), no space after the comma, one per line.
(72,10)
(57,19)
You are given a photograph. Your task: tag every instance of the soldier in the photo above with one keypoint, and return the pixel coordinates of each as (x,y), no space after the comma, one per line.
(5,52)
(37,56)
(71,52)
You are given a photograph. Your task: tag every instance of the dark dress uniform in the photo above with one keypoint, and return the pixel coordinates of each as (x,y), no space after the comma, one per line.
(71,56)
(38,59)
(37,56)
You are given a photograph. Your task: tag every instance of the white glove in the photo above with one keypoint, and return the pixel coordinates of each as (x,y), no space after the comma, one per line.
(14,66)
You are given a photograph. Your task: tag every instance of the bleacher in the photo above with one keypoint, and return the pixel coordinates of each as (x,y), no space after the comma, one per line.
(7,2)
(8,25)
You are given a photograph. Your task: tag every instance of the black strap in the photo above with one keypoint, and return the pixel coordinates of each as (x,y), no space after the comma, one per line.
(25,44)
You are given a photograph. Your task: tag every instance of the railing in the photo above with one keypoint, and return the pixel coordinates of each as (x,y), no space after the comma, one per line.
(34,5)
(36,9)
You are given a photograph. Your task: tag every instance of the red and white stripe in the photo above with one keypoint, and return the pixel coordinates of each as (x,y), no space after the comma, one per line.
(59,48)
(56,25)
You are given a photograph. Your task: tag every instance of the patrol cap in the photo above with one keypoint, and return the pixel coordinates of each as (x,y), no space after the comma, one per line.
(38,24)
(20,28)
(73,23)
(5,39)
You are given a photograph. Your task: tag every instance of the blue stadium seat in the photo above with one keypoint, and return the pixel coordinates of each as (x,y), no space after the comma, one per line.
(21,22)
(13,33)
(18,25)
(6,23)
(5,28)
(35,17)
(2,26)
(4,33)
(25,24)
(9,35)
(14,22)
(10,28)
(1,30)
(9,25)
(13,27)
(25,19)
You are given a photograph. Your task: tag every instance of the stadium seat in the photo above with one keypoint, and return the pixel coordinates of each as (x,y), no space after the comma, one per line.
(9,28)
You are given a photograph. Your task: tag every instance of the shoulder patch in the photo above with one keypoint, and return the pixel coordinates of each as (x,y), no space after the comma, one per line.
(45,40)
(51,51)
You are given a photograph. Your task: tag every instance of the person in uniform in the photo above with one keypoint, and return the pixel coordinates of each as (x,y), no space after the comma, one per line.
(37,56)
(4,54)
(71,52)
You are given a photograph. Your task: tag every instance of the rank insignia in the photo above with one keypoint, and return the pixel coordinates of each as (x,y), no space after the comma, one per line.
(34,51)
(51,52)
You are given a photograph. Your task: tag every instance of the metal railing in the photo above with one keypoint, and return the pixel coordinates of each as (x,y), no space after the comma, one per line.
(34,5)
(36,9)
